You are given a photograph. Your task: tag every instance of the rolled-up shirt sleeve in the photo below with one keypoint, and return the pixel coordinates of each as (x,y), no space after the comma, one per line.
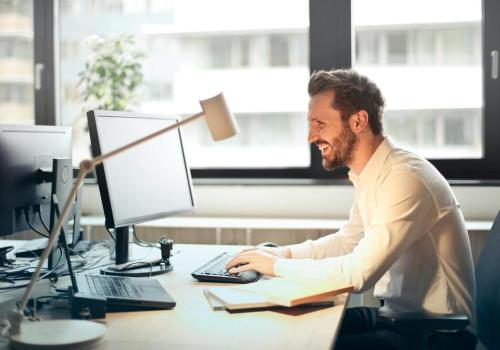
(405,209)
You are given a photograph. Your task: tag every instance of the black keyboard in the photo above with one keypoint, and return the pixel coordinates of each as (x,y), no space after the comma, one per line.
(215,271)
(112,286)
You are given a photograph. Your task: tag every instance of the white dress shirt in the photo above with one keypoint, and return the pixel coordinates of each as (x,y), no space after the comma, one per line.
(406,236)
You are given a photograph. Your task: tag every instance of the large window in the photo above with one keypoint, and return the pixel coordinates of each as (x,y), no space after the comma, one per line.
(260,65)
(433,63)
(436,63)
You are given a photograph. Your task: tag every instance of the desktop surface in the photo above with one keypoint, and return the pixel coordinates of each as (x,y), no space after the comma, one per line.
(192,324)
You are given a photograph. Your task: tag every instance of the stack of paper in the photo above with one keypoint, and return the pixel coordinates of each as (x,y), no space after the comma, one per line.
(283,291)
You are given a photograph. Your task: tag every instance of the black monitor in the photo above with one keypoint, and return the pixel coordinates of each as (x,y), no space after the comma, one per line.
(28,155)
(148,182)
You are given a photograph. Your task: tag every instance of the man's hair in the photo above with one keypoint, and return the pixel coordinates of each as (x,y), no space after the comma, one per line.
(353,92)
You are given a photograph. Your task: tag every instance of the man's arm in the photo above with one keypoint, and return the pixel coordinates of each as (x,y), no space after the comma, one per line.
(405,210)
(340,243)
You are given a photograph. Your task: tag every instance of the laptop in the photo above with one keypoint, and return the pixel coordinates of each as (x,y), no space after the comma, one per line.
(92,295)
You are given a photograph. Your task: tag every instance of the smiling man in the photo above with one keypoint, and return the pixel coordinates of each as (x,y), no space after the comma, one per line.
(406,234)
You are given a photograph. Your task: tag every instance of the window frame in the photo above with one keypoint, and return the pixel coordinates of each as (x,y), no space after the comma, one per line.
(333,55)
(44,53)
(325,52)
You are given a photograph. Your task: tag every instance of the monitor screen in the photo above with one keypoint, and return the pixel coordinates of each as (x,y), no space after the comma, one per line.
(148,182)
(25,149)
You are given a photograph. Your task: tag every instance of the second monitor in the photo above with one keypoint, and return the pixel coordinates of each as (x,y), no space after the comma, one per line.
(149,182)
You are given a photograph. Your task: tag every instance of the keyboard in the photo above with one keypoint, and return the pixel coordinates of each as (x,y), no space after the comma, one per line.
(112,286)
(215,271)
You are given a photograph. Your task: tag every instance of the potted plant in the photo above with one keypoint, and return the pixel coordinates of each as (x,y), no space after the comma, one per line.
(112,74)
(110,81)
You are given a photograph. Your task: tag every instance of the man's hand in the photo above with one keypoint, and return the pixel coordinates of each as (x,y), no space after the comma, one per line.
(258,259)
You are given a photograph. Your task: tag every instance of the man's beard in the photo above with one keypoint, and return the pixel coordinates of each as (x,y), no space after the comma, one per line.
(342,149)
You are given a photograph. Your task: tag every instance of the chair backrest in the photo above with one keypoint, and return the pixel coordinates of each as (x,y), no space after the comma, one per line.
(488,289)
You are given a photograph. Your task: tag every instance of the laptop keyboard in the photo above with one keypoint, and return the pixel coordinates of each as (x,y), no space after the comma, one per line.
(112,286)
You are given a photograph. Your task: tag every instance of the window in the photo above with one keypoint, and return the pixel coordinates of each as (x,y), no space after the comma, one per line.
(417,76)
(261,65)
(433,66)
(434,69)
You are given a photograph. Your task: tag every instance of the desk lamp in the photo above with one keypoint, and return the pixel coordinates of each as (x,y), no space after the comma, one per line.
(64,333)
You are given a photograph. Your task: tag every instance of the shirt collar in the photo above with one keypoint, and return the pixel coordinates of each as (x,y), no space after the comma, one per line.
(375,164)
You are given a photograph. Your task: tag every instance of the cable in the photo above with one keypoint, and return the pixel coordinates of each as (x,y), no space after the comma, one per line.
(26,216)
(142,243)
(6,289)
(110,234)
(48,231)
(41,219)
(39,210)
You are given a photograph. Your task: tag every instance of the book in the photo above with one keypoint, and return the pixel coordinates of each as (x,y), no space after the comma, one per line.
(292,291)
(233,299)
(215,303)
(229,298)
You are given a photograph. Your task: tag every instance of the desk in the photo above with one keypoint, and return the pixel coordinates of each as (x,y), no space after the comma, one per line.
(194,325)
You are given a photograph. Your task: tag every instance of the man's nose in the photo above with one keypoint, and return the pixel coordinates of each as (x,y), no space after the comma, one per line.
(313,135)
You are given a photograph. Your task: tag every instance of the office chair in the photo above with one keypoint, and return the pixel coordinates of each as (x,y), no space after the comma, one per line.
(452,331)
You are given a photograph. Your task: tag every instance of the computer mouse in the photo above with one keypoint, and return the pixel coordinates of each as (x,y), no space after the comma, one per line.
(268,244)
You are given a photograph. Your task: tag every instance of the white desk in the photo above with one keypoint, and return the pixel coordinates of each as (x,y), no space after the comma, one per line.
(194,325)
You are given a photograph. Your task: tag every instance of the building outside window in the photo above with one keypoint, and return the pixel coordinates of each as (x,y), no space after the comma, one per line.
(429,69)
(16,62)
(260,65)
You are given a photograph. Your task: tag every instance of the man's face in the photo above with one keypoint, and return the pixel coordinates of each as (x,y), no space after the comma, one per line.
(333,137)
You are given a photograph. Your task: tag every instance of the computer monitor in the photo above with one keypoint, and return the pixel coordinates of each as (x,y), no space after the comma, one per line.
(28,154)
(148,182)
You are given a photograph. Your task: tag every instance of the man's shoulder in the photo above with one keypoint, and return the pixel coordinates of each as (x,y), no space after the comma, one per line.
(408,165)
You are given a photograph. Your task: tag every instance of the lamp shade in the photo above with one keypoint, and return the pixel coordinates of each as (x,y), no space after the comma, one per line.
(220,120)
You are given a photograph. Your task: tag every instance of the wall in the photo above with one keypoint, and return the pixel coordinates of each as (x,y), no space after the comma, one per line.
(276,201)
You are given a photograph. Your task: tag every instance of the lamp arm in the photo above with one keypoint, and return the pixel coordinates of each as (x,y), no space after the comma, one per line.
(86,166)
(99,159)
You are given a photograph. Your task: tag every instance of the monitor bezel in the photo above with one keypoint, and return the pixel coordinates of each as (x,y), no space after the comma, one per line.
(93,117)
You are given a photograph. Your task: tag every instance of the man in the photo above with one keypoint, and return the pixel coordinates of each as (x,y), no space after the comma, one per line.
(405,235)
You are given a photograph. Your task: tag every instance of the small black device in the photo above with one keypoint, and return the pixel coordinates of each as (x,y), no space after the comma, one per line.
(166,246)
(215,271)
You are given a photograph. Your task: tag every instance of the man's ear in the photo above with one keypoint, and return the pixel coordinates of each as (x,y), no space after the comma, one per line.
(359,121)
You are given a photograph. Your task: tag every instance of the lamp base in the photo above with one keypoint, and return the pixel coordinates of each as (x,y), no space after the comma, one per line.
(58,334)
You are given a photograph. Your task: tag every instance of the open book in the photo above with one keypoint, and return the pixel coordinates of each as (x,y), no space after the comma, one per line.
(284,291)
(222,298)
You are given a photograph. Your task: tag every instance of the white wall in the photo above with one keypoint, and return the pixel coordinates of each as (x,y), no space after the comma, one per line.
(327,202)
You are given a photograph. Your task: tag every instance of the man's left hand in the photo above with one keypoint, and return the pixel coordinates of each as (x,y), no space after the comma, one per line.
(258,260)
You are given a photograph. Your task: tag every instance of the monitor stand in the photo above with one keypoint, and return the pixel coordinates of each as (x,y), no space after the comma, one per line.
(139,268)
